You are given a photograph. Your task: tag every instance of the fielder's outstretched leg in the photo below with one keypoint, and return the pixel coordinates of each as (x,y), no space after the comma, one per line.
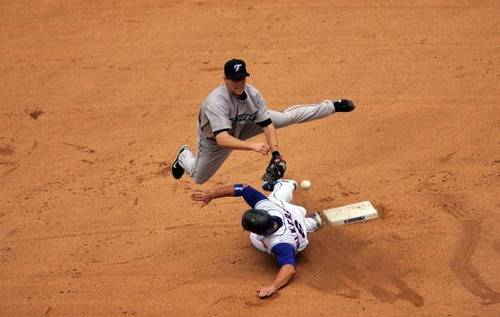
(301,113)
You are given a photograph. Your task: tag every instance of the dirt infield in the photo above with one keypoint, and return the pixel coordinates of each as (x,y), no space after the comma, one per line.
(96,97)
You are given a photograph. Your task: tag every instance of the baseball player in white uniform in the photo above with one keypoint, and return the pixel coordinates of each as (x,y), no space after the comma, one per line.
(235,112)
(277,226)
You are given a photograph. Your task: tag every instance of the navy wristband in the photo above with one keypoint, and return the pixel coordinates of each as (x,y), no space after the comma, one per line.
(238,190)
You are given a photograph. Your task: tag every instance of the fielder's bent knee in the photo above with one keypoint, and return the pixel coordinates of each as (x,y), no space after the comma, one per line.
(199,180)
(198,177)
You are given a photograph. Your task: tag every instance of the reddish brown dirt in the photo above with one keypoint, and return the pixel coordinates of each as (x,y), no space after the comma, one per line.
(96,97)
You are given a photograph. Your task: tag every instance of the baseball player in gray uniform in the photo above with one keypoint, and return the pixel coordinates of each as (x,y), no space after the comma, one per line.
(276,226)
(235,112)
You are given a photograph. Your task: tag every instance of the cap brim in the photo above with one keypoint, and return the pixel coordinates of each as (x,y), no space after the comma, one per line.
(239,76)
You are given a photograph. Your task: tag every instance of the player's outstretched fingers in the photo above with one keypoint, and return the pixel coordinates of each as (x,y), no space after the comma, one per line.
(197,195)
(266,291)
(201,195)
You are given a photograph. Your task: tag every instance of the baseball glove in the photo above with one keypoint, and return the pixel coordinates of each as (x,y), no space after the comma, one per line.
(275,170)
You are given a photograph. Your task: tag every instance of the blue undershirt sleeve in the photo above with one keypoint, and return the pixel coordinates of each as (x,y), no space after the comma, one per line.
(285,254)
(252,196)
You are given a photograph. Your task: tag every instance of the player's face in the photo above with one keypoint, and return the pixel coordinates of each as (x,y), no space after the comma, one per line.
(237,87)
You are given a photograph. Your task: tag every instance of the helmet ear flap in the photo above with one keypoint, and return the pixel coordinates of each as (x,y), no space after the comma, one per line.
(257,221)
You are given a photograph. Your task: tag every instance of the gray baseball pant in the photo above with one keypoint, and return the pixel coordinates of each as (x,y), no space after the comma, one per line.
(210,156)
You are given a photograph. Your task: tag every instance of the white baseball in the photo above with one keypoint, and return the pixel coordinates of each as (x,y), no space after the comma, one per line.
(305,184)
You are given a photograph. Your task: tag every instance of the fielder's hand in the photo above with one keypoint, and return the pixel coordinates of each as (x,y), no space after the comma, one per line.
(262,148)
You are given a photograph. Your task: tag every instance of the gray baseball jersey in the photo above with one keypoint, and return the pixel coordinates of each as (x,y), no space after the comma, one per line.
(222,111)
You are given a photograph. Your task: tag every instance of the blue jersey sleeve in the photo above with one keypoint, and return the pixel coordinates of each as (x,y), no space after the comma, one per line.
(285,254)
(252,196)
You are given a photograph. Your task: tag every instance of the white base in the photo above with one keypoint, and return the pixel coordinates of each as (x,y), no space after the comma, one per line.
(353,213)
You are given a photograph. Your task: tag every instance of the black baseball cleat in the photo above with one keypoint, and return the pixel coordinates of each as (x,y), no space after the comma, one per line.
(177,169)
(343,105)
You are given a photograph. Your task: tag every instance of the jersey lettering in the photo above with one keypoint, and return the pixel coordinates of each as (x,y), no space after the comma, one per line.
(245,117)
(293,225)
(299,227)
